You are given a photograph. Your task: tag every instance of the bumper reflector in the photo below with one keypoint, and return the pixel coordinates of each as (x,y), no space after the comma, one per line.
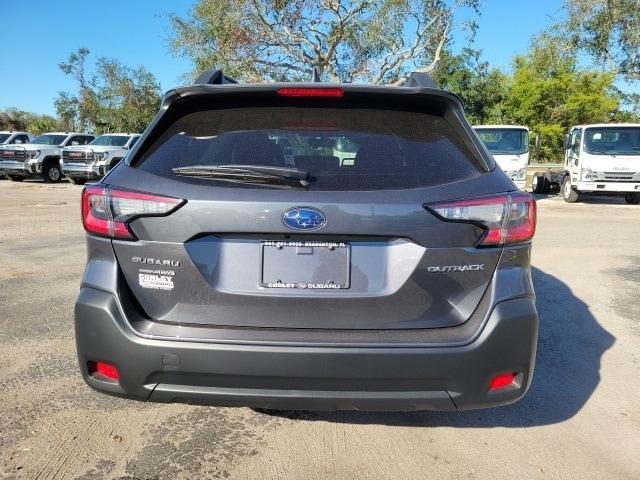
(502,381)
(103,369)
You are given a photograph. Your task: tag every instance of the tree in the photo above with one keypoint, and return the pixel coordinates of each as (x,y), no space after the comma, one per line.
(481,88)
(609,30)
(549,94)
(115,98)
(14,119)
(378,41)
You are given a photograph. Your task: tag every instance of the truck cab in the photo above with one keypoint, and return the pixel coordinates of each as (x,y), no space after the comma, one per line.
(602,159)
(93,161)
(15,138)
(41,157)
(509,145)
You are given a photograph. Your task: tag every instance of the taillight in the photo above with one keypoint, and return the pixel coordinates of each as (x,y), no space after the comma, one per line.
(508,218)
(108,211)
(325,92)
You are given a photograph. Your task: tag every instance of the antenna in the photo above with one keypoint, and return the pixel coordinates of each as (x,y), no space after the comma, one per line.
(214,77)
(420,79)
(315,74)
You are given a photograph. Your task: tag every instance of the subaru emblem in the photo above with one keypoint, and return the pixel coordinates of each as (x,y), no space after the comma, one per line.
(303,218)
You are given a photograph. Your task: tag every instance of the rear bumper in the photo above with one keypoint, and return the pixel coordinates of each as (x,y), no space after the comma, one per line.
(308,377)
(612,187)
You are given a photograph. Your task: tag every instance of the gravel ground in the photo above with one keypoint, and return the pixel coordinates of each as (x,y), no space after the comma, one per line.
(580,419)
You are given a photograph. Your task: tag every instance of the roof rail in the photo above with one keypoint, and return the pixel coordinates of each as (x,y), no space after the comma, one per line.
(214,77)
(420,79)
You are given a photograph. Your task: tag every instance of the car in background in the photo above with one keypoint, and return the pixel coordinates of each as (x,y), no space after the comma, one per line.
(509,145)
(220,273)
(93,161)
(41,157)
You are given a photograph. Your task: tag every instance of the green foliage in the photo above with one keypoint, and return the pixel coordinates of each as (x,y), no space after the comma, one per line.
(549,94)
(115,98)
(14,119)
(375,41)
(481,88)
(609,30)
(547,91)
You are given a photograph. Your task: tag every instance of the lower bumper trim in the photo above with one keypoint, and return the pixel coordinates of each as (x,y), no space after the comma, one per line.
(312,399)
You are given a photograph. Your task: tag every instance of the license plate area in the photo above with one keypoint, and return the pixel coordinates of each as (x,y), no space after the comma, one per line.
(305,265)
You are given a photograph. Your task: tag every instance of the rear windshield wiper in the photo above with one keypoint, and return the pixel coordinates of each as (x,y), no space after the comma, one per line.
(259,174)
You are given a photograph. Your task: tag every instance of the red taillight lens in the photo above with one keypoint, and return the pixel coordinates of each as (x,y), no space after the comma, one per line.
(103,369)
(107,211)
(508,218)
(502,381)
(311,92)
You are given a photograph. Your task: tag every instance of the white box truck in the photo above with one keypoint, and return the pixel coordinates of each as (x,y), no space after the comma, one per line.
(509,145)
(602,159)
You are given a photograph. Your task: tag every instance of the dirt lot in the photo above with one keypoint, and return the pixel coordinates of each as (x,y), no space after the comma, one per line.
(581,418)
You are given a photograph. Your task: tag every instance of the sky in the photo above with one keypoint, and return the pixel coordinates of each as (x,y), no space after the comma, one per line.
(42,33)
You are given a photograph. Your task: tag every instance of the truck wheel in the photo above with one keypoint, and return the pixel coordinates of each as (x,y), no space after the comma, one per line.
(632,198)
(569,194)
(77,181)
(13,178)
(541,184)
(51,172)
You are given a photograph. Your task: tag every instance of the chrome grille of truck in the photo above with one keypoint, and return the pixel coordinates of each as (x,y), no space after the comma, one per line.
(618,176)
(77,156)
(16,155)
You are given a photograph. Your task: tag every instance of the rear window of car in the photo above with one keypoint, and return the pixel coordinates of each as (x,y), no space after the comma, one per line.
(340,148)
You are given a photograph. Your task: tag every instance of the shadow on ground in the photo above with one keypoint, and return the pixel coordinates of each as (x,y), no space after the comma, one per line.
(586,199)
(570,345)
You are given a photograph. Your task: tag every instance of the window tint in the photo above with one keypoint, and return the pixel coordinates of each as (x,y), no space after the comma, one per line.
(133,141)
(48,139)
(110,140)
(505,140)
(613,141)
(342,149)
(4,137)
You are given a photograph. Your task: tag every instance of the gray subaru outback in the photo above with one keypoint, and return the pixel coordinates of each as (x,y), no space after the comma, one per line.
(235,259)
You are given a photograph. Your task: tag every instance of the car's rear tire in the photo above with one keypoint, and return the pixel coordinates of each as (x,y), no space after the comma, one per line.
(51,172)
(568,193)
(13,178)
(632,198)
(77,181)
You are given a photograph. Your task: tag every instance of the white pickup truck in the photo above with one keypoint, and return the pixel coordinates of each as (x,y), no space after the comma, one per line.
(92,161)
(15,138)
(602,159)
(509,145)
(41,157)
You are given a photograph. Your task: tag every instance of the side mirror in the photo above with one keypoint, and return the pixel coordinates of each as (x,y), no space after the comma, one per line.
(75,144)
(17,141)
